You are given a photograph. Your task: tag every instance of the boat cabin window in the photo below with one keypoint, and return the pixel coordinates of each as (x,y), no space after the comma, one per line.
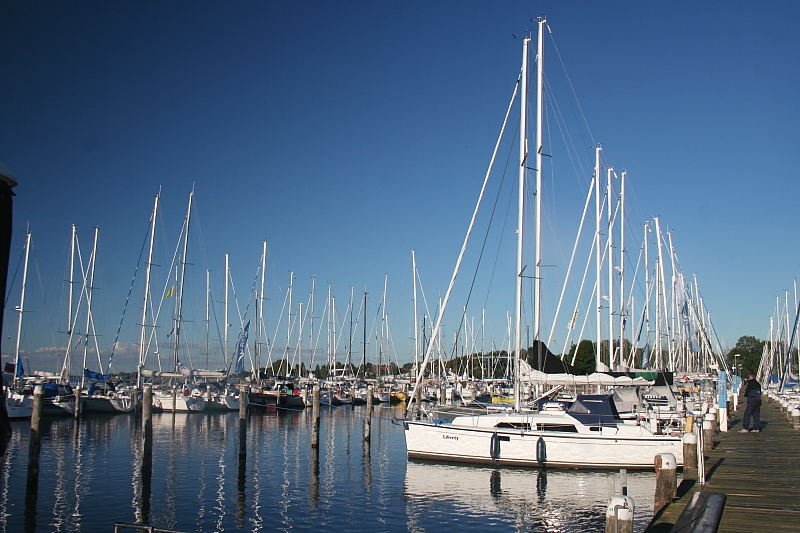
(566,428)
(514,425)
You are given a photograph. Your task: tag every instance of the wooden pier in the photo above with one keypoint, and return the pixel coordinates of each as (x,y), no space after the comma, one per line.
(759,473)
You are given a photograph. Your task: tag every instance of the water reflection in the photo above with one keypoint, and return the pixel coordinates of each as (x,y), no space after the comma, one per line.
(189,475)
(535,500)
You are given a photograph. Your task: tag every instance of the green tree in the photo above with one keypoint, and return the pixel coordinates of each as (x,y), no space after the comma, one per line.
(749,350)
(585,359)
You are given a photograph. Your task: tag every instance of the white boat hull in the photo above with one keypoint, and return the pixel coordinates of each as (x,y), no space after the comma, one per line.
(539,439)
(182,403)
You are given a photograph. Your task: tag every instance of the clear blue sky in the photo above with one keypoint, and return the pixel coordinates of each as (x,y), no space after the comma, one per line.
(349,133)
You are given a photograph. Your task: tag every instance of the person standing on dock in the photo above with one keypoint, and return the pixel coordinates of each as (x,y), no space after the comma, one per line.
(753,394)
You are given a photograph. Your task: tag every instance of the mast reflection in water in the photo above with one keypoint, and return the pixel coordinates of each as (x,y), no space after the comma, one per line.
(193,477)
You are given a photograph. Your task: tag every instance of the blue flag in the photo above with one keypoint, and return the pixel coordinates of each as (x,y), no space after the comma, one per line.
(240,349)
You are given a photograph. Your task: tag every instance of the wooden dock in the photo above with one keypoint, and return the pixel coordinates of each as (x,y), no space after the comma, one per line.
(758,472)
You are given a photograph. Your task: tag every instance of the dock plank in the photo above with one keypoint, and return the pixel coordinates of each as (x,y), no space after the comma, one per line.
(758,472)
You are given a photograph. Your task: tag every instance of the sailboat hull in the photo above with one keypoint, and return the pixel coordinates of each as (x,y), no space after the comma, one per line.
(530,448)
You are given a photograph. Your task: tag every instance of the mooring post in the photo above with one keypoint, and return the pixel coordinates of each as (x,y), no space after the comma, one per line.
(315,417)
(242,421)
(623,481)
(147,409)
(143,512)
(368,416)
(689,455)
(135,401)
(77,402)
(35,444)
(619,515)
(174,399)
(34,448)
(708,432)
(666,480)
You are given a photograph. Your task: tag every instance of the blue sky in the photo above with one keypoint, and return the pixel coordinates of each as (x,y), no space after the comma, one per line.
(348,134)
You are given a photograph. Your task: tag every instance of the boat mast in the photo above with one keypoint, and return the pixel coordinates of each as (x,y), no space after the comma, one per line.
(208,316)
(21,308)
(523,146)
(610,248)
(142,346)
(537,279)
(416,337)
(261,327)
(598,259)
(87,290)
(622,306)
(225,313)
(179,301)
(646,307)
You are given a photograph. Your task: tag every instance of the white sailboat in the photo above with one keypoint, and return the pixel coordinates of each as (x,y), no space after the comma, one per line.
(176,396)
(589,433)
(20,405)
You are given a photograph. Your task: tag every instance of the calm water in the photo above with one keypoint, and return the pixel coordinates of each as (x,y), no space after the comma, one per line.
(92,476)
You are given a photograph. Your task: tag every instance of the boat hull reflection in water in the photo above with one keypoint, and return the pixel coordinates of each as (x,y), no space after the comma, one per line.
(520,499)
(96,470)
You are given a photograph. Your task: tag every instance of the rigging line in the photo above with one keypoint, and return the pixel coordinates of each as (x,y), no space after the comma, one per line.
(571,261)
(572,88)
(13,279)
(457,267)
(505,220)
(130,290)
(565,136)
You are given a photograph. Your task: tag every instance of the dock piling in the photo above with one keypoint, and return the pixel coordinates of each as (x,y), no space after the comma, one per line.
(34,449)
(147,409)
(619,515)
(315,417)
(689,454)
(242,422)
(666,480)
(77,402)
(368,416)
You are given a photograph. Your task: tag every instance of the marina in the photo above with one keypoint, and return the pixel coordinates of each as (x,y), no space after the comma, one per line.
(567,378)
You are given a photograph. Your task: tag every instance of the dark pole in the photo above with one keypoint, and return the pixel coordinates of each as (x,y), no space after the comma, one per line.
(7,182)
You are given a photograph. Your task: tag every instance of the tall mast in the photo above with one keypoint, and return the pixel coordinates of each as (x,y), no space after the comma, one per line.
(523,149)
(659,292)
(289,322)
(364,358)
(21,308)
(537,279)
(646,307)
(622,311)
(598,258)
(87,291)
(143,334)
(261,327)
(610,248)
(71,278)
(416,337)
(208,316)
(225,312)
(179,302)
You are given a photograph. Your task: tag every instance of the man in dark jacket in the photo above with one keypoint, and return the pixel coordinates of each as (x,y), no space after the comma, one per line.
(753,394)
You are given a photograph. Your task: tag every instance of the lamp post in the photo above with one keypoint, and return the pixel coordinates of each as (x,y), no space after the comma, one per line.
(737,366)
